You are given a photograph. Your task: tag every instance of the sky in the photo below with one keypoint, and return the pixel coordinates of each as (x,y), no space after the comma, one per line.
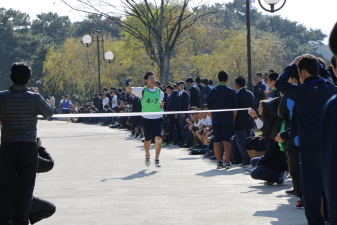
(311,13)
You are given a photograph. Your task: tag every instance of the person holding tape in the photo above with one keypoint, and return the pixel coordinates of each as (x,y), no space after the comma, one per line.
(151,101)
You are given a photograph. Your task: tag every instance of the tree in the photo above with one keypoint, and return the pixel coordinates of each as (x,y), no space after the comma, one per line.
(158,27)
(72,69)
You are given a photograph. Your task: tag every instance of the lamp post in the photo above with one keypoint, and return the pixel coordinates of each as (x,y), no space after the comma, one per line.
(108,57)
(272,4)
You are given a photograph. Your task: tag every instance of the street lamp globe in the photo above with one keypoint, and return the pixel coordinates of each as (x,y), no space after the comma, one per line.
(109,56)
(86,39)
(272,2)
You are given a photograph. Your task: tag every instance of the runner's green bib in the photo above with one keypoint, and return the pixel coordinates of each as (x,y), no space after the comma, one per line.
(151,100)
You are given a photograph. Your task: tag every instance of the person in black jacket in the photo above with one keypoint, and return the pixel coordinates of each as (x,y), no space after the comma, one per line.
(222,97)
(259,90)
(244,123)
(19,108)
(40,208)
(195,100)
(202,90)
(183,105)
(310,97)
(328,142)
(272,167)
(171,105)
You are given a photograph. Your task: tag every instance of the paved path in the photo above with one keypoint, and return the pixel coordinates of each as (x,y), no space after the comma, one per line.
(100,178)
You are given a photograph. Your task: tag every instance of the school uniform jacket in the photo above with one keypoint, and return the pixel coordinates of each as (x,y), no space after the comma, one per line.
(183,101)
(259,92)
(195,96)
(310,99)
(245,100)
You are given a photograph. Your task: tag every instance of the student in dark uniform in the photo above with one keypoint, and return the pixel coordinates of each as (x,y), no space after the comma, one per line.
(202,90)
(194,93)
(310,98)
(183,105)
(328,143)
(244,123)
(222,97)
(259,90)
(171,105)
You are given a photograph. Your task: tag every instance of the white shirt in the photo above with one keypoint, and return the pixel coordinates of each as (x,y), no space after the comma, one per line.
(259,123)
(200,122)
(105,101)
(114,101)
(208,121)
(138,91)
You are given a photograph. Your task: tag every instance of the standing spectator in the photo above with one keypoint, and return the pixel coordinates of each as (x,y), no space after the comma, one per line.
(107,94)
(96,101)
(310,97)
(328,142)
(259,90)
(18,152)
(195,99)
(244,123)
(51,100)
(222,122)
(114,100)
(105,100)
(202,90)
(183,104)
(66,104)
(208,88)
(171,105)
(61,101)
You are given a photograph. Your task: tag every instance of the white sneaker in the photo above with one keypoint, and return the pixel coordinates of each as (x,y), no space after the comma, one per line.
(147,160)
(157,163)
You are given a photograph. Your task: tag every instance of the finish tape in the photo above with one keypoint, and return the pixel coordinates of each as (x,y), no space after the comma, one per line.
(138,113)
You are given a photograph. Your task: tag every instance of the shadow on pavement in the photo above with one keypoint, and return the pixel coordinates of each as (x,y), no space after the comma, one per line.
(267,189)
(285,213)
(140,174)
(190,158)
(222,172)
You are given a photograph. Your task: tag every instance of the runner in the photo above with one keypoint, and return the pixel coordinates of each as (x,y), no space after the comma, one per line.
(151,101)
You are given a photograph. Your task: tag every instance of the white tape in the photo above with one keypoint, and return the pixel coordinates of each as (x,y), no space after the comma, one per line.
(138,113)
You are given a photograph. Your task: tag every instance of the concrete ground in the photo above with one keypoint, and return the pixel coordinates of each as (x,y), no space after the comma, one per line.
(100,178)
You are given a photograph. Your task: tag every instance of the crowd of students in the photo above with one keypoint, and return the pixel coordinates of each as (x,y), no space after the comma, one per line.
(287,108)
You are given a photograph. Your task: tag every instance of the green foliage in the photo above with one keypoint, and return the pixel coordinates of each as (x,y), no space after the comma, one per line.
(50,44)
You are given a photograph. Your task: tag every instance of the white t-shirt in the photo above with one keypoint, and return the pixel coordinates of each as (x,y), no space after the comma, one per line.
(114,101)
(105,101)
(200,122)
(138,91)
(208,121)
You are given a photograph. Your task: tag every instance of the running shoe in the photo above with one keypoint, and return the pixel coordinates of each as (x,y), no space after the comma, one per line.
(227,165)
(219,165)
(157,163)
(147,160)
(268,183)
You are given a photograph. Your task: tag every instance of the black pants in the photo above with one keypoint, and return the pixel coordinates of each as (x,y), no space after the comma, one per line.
(18,165)
(294,167)
(40,209)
